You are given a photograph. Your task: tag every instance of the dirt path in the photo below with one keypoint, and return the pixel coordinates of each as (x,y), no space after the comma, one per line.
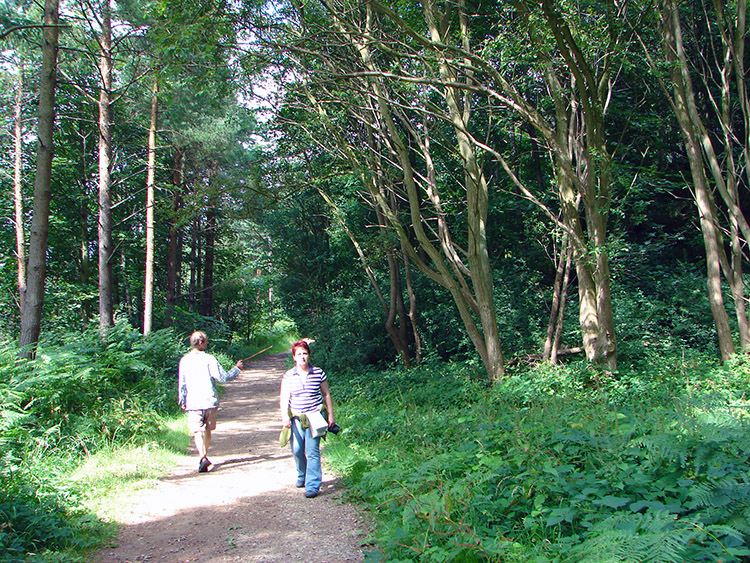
(246,508)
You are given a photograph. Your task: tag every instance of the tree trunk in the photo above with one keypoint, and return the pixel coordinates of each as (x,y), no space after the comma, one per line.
(195,262)
(31,309)
(18,191)
(413,319)
(459,105)
(148,292)
(584,180)
(736,283)
(84,270)
(557,308)
(713,245)
(173,259)
(106,305)
(561,313)
(390,309)
(684,107)
(209,242)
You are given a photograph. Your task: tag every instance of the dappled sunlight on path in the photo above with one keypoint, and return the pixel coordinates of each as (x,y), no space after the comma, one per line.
(246,508)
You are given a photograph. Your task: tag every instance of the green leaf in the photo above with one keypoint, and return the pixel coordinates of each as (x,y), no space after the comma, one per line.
(612,502)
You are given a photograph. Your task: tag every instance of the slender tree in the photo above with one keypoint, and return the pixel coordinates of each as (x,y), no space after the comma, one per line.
(709,99)
(31,309)
(18,187)
(174,262)
(148,292)
(106,301)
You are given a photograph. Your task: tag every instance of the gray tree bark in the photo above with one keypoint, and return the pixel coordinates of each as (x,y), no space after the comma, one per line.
(31,309)
(148,291)
(106,284)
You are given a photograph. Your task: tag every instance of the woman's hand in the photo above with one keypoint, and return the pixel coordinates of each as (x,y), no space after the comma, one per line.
(286,423)
(239,364)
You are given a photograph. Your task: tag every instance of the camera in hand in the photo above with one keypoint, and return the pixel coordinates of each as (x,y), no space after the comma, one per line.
(334,429)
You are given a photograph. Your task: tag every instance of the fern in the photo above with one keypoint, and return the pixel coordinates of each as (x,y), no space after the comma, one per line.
(652,537)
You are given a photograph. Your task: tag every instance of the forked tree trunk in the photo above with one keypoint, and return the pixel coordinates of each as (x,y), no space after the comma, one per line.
(684,107)
(559,297)
(470,285)
(394,329)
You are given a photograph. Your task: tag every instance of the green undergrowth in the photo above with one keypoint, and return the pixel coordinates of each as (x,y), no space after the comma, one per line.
(553,464)
(111,476)
(89,420)
(82,396)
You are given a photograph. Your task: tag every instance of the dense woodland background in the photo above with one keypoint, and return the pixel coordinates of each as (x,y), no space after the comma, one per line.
(529,212)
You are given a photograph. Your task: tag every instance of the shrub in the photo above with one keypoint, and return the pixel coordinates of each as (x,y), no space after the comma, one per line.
(553,464)
(80,394)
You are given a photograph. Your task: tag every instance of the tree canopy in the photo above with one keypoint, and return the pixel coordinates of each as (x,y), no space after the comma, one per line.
(460,179)
(515,231)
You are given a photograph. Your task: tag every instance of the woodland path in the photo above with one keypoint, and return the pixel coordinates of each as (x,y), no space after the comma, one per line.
(246,508)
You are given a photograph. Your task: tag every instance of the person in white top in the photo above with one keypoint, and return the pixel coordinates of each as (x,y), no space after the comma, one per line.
(197,392)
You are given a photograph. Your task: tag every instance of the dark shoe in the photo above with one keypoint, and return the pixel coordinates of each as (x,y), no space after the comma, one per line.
(311,494)
(300,483)
(203,466)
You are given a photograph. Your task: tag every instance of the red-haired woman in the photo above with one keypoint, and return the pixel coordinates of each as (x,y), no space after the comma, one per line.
(304,391)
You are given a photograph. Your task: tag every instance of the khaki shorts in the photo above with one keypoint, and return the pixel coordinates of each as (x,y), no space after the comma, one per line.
(200,421)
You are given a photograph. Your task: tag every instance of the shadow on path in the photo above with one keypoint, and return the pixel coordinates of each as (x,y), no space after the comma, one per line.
(246,508)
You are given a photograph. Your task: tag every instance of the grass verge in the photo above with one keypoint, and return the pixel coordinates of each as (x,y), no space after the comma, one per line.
(112,477)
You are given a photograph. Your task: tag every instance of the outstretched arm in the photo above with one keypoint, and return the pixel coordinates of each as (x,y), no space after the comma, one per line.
(223,376)
(181,389)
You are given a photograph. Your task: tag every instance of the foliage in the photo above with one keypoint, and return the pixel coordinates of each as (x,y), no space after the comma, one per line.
(83,393)
(555,464)
(92,412)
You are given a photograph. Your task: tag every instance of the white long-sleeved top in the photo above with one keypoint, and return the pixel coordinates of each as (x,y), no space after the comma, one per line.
(197,372)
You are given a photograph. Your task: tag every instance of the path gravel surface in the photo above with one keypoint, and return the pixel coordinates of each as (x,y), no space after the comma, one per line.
(246,507)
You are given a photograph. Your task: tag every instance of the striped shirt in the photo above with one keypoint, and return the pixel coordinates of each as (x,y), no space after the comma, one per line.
(304,392)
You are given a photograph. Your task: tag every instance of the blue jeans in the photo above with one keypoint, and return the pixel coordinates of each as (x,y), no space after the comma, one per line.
(306,452)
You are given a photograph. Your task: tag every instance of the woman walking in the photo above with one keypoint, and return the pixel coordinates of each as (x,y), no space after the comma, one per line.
(304,390)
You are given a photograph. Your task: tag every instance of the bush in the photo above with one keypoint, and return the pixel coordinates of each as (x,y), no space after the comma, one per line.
(554,464)
(81,393)
(30,524)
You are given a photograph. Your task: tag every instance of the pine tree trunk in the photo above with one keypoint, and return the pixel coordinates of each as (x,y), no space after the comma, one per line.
(173,258)
(148,291)
(106,301)
(18,192)
(31,309)
(209,242)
